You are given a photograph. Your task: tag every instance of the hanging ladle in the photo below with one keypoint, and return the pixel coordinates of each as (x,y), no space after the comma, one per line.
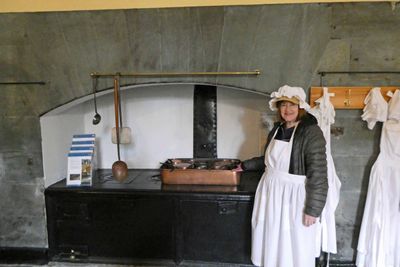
(119,168)
(97,117)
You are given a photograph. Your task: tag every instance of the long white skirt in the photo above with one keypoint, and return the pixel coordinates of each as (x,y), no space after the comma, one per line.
(379,240)
(279,238)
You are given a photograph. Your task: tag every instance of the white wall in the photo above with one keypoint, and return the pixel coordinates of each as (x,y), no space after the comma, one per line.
(161,120)
(240,130)
(57,130)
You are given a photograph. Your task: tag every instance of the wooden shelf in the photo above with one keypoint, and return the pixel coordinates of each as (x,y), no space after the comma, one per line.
(347,97)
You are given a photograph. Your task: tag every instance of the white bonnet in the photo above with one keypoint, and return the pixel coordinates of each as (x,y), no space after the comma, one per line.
(287,91)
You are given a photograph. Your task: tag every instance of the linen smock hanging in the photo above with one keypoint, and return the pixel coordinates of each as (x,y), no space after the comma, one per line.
(379,240)
(326,238)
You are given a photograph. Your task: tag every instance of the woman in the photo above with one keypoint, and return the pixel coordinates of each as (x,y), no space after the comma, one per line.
(292,191)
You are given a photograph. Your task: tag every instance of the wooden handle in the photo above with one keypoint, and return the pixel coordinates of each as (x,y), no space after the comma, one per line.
(116,110)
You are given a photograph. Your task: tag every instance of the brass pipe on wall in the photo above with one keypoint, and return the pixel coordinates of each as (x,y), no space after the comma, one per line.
(23,83)
(177,74)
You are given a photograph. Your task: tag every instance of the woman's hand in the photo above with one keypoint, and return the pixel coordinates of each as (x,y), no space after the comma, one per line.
(309,220)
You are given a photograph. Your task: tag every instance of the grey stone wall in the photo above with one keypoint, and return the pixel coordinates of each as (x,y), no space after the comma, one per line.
(288,43)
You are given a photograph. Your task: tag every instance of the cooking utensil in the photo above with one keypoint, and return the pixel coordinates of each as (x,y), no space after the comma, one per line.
(225,164)
(97,117)
(124,132)
(201,163)
(119,168)
(201,171)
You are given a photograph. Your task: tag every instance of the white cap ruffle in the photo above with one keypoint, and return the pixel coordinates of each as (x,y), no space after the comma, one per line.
(289,92)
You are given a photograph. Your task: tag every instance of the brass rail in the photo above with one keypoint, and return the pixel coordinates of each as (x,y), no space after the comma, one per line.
(175,74)
(23,83)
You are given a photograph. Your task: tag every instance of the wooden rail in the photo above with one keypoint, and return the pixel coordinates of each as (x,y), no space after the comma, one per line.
(347,97)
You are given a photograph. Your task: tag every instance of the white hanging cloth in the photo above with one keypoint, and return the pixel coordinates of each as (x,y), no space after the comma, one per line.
(326,238)
(393,109)
(379,240)
(376,108)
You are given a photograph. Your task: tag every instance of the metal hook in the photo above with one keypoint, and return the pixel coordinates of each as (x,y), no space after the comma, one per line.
(321,75)
(347,100)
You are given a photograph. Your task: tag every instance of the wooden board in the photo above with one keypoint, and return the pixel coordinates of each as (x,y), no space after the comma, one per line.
(347,97)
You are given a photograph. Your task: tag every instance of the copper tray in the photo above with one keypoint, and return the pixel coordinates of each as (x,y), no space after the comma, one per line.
(200,171)
(199,188)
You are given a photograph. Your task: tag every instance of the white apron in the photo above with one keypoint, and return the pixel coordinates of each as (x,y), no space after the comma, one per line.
(279,238)
(379,241)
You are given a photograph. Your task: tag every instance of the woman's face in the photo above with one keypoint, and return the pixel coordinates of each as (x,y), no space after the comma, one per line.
(289,111)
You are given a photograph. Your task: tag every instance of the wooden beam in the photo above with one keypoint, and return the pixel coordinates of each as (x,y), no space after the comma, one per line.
(9,6)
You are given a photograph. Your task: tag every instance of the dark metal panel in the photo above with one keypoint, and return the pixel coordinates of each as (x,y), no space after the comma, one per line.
(216,231)
(205,121)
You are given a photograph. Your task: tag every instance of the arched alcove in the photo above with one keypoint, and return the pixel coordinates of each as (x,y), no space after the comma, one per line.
(161,119)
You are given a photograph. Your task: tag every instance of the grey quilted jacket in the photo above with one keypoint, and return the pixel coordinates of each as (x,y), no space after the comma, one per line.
(308,158)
